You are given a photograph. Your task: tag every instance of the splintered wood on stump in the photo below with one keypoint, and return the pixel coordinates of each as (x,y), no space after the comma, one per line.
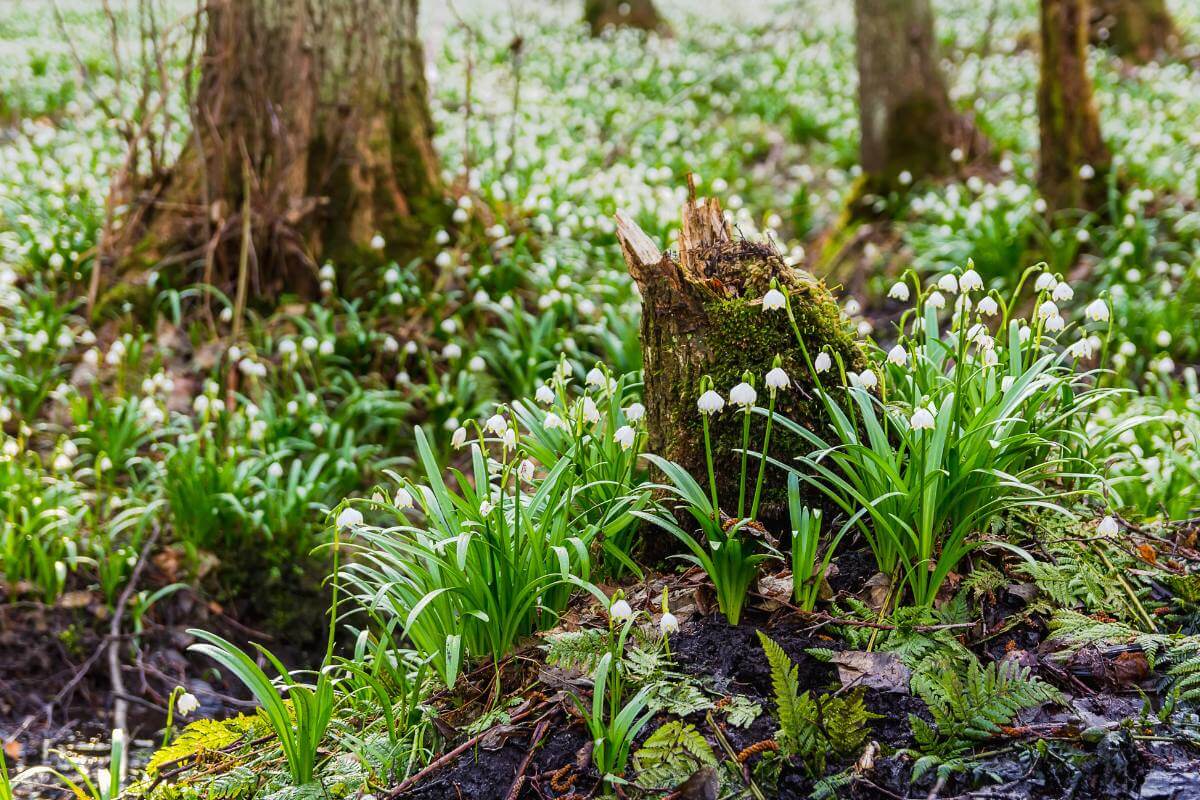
(1074,158)
(702,315)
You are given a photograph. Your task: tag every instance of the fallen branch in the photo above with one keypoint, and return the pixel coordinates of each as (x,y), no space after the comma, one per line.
(534,741)
(442,761)
(120,704)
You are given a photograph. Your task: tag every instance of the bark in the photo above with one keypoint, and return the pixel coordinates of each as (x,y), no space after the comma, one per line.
(906,119)
(315,119)
(1070,126)
(640,14)
(702,315)
(1139,30)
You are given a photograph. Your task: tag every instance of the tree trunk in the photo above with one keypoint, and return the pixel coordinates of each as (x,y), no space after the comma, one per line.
(1074,159)
(641,14)
(907,122)
(314,118)
(702,315)
(1139,30)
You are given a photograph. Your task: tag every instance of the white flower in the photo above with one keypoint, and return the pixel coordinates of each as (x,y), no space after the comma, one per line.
(510,439)
(922,420)
(823,362)
(948,283)
(186,704)
(743,395)
(452,351)
(625,437)
(496,424)
(1045,282)
(485,508)
(990,359)
(777,379)
(668,623)
(898,356)
(553,421)
(459,437)
(1097,311)
(1107,527)
(970,281)
(590,412)
(377,242)
(544,395)
(1047,310)
(620,610)
(936,300)
(1081,349)
(905,178)
(595,378)
(1062,292)
(867,379)
(1087,172)
(773,300)
(1056,323)
(1163,338)
(899,291)
(275,471)
(710,402)
(635,412)
(477,364)
(525,470)
(404,498)
(349,518)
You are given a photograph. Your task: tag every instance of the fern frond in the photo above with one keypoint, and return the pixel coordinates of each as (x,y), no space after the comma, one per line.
(576,650)
(671,754)
(793,709)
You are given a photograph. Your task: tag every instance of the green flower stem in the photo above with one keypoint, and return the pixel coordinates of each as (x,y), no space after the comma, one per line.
(762,461)
(712,474)
(742,478)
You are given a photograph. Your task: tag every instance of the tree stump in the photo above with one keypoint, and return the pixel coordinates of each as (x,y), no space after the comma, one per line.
(702,315)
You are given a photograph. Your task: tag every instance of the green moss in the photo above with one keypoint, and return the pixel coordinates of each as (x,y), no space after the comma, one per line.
(749,340)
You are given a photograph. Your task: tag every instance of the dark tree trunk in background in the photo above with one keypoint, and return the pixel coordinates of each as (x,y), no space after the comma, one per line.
(702,315)
(1070,127)
(641,14)
(906,119)
(1140,30)
(315,118)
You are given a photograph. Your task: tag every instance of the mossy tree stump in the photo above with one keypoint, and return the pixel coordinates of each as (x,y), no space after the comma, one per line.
(702,315)
(640,14)
(1074,158)
(906,119)
(1139,30)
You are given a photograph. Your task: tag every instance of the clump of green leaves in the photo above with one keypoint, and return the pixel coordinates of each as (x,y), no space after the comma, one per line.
(728,555)
(955,428)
